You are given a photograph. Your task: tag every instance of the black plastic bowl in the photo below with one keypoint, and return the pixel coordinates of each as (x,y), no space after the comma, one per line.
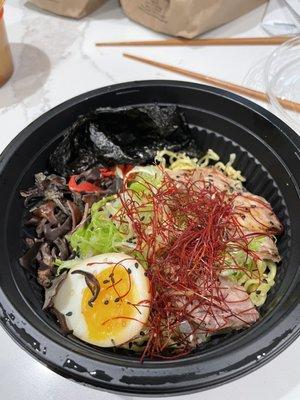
(267,154)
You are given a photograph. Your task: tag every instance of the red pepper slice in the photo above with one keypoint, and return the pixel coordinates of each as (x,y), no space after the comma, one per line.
(82,186)
(125,168)
(107,172)
(111,172)
(89,187)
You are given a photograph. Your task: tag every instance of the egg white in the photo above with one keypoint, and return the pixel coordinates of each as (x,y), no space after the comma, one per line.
(68,299)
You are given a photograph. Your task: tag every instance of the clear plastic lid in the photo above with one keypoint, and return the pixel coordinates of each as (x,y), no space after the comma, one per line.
(282,80)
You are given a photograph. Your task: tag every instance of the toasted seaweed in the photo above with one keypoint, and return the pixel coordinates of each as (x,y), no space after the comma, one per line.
(125,135)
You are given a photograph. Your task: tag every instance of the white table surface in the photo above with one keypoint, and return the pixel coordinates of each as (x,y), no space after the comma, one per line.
(55,59)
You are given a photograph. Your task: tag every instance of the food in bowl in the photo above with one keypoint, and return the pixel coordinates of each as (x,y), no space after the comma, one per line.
(143,244)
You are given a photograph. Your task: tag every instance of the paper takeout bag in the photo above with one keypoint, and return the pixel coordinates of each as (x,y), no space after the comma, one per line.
(69,8)
(186,18)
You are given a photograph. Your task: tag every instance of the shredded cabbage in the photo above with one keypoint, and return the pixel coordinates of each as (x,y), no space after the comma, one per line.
(100,235)
(256,243)
(104,235)
(257,278)
(62,265)
(139,178)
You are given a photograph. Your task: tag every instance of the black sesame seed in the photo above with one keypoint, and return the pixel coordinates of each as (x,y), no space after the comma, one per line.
(129,271)
(145,273)
(69,314)
(106,281)
(142,333)
(117,299)
(136,265)
(112,278)
(106,302)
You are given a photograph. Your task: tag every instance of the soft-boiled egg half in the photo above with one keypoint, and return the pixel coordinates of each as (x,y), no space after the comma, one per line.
(121,308)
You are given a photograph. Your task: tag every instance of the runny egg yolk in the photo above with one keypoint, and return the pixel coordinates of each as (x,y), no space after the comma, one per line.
(114,308)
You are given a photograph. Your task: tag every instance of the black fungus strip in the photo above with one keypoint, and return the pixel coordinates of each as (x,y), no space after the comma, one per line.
(27,259)
(92,284)
(53,233)
(62,245)
(75,213)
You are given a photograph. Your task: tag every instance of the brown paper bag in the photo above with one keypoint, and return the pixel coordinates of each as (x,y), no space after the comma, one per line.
(69,8)
(186,18)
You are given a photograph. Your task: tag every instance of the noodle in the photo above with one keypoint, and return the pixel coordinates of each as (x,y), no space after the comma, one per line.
(177,161)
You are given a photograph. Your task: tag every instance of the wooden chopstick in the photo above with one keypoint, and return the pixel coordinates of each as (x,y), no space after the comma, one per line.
(216,82)
(202,42)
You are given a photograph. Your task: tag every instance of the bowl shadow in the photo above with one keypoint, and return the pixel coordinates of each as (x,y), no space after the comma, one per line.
(31,69)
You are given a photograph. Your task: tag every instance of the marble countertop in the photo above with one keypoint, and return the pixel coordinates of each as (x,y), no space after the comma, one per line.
(56,59)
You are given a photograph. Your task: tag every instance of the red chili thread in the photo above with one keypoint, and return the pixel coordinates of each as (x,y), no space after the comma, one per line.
(184,241)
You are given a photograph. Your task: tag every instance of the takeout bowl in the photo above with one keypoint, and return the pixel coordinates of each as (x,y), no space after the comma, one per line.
(267,154)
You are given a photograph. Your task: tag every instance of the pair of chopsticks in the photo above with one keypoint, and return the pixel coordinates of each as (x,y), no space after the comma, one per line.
(258,95)
(201,42)
(255,94)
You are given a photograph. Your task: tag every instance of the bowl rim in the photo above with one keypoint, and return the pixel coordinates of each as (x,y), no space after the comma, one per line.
(292,316)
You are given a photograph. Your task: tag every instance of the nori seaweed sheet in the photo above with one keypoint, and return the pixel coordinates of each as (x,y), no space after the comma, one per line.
(125,135)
